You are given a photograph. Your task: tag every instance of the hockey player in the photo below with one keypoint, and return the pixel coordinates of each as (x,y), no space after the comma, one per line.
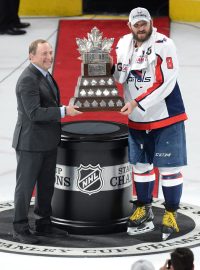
(147,66)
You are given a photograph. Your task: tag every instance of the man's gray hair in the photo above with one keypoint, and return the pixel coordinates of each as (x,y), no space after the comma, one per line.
(33,46)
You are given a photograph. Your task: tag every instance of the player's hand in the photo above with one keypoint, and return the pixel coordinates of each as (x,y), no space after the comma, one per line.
(128,107)
(71,110)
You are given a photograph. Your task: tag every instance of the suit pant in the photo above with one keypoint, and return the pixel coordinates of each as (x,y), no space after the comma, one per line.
(34,169)
(9,13)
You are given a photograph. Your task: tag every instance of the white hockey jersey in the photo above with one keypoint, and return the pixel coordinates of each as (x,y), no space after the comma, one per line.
(149,76)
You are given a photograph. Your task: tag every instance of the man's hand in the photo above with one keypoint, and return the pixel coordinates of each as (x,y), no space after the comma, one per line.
(71,110)
(128,107)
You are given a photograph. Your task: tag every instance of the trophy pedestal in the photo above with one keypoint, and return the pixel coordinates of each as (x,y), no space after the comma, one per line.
(93,185)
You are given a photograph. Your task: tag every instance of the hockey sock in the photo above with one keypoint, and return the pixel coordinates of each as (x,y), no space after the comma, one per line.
(172,185)
(144,183)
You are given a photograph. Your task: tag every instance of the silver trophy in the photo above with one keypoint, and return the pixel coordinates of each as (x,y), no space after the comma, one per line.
(96,89)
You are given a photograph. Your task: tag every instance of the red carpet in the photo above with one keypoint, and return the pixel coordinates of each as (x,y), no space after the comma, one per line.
(67,67)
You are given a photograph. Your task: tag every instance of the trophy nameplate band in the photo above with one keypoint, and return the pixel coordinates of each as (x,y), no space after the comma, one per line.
(96,70)
(96,58)
(85,70)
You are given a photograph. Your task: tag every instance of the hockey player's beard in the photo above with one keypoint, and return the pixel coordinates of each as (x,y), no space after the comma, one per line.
(146,37)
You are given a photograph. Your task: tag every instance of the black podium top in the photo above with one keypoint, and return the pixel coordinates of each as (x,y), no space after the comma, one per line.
(93,130)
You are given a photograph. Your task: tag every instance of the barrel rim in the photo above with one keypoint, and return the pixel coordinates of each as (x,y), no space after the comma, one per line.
(122,133)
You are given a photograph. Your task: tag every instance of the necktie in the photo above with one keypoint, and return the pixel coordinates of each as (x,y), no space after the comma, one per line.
(53,87)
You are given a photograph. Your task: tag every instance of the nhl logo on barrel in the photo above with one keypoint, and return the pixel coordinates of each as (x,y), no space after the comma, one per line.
(90,179)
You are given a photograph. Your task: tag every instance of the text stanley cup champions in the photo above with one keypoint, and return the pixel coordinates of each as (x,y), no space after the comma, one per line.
(96,89)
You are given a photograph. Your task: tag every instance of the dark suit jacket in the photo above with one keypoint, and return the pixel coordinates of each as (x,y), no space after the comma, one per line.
(38,125)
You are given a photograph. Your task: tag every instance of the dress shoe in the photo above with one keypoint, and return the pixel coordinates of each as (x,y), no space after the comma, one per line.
(49,230)
(12,31)
(22,25)
(25,237)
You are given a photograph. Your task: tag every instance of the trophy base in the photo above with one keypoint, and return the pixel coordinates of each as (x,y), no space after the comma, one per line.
(98,104)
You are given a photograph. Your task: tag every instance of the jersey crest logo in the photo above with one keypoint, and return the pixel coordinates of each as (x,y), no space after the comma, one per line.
(138,77)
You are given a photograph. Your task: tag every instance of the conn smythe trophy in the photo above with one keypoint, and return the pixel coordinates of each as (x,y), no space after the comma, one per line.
(96,89)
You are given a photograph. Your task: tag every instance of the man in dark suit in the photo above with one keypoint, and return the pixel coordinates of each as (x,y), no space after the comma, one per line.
(36,136)
(10,23)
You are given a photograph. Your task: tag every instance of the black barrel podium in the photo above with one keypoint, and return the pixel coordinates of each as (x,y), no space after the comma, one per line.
(93,185)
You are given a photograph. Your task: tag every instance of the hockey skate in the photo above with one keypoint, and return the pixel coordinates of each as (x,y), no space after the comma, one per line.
(141,220)
(169,224)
